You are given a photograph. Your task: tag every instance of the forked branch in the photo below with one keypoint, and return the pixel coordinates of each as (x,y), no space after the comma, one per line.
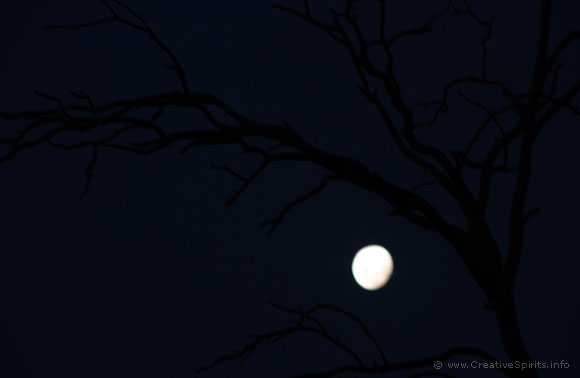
(140,25)
(309,321)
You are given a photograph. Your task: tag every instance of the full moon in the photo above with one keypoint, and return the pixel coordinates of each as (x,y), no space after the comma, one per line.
(372,267)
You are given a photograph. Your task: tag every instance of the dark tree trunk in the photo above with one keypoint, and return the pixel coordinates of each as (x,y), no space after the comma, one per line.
(511,337)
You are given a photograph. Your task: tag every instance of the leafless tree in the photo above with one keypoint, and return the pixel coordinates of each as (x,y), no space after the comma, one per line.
(112,125)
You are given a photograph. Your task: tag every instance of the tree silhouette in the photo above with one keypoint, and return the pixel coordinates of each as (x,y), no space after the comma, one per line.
(122,125)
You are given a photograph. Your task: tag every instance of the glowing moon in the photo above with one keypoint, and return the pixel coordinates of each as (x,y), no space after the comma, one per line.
(372,267)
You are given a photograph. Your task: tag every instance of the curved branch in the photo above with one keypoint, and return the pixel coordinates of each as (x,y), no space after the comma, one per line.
(89,171)
(408,365)
(115,119)
(275,222)
(309,316)
(300,326)
(143,27)
(483,42)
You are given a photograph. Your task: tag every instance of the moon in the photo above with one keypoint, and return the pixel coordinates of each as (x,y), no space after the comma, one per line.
(372,267)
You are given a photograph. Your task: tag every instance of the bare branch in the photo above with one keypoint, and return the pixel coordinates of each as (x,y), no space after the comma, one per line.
(275,222)
(89,171)
(114,119)
(492,116)
(570,37)
(423,29)
(575,110)
(364,67)
(563,101)
(306,16)
(247,182)
(300,326)
(488,164)
(408,365)
(529,133)
(230,171)
(357,320)
(483,42)
(307,317)
(541,65)
(83,96)
(143,27)
(530,214)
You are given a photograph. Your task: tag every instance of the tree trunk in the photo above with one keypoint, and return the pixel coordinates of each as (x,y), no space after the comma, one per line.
(511,337)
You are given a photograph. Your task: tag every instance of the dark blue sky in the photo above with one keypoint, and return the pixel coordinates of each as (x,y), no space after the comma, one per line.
(151,276)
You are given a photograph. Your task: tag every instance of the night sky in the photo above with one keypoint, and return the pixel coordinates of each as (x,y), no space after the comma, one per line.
(152,276)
